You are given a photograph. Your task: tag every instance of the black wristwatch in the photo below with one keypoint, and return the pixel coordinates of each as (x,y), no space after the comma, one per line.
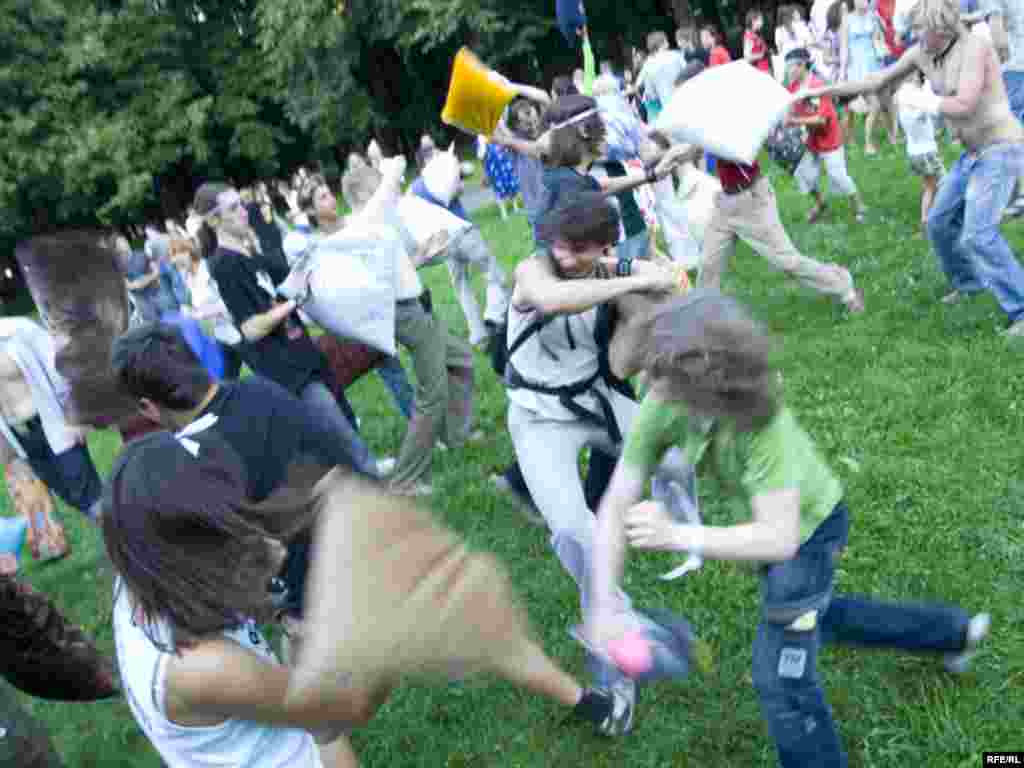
(624,267)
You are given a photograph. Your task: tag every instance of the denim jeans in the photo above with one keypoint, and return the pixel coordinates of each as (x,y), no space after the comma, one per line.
(393,375)
(1015,92)
(799,613)
(963,225)
(319,397)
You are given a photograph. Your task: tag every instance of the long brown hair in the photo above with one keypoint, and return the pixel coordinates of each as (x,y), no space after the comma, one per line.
(190,550)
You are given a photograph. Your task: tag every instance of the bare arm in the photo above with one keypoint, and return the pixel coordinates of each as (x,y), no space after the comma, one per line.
(772,536)
(844,48)
(223,679)
(504,138)
(675,155)
(538,287)
(748,52)
(531,93)
(145,280)
(262,325)
(874,82)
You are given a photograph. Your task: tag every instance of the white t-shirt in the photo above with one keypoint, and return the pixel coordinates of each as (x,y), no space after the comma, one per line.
(659,74)
(235,743)
(920,130)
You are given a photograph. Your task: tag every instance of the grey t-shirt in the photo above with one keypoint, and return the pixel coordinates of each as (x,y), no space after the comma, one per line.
(1012,12)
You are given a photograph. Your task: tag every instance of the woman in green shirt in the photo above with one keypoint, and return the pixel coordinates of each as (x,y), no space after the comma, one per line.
(715,395)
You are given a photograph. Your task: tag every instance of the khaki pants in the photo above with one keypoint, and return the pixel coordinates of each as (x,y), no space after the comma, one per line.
(443,365)
(753,216)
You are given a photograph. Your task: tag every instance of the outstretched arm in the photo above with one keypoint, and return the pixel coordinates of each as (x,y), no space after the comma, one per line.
(874,82)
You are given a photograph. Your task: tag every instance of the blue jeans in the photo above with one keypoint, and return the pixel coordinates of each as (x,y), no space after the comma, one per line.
(393,375)
(785,654)
(963,225)
(316,395)
(1015,92)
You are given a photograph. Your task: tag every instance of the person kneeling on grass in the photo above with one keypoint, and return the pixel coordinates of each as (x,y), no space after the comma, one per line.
(824,140)
(714,394)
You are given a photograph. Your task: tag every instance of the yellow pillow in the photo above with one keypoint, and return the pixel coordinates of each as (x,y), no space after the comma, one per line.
(477,95)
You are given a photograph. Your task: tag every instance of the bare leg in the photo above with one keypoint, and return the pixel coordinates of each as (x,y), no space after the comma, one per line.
(929,185)
(537,673)
(869,126)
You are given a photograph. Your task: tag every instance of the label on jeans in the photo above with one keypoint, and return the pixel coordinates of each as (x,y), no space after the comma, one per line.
(792,662)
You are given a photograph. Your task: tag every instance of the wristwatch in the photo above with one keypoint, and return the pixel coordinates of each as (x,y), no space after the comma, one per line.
(624,267)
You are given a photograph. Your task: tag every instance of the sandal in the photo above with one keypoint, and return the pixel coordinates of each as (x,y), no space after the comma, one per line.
(870,150)
(854,303)
(815,213)
(860,216)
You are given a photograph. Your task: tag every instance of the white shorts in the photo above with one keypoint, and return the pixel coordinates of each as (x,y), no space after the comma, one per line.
(808,172)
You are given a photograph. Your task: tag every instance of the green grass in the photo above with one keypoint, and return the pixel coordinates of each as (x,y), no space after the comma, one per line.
(918,406)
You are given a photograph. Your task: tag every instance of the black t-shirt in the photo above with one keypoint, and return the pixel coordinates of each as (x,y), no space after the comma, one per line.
(287,355)
(561,186)
(632,217)
(272,258)
(270,429)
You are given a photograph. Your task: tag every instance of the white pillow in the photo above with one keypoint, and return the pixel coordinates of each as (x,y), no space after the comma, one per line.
(728,110)
(442,175)
(353,279)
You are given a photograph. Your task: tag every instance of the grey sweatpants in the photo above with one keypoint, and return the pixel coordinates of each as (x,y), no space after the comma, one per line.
(466,249)
(548,451)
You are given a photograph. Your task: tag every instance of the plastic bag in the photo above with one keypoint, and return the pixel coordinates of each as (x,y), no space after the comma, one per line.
(730,128)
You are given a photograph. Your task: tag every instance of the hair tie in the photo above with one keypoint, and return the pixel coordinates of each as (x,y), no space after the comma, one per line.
(574,119)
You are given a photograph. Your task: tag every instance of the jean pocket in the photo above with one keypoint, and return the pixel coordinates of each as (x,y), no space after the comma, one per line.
(799,585)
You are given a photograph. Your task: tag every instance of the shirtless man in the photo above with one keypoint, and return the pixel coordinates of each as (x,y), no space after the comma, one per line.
(963,224)
(33,425)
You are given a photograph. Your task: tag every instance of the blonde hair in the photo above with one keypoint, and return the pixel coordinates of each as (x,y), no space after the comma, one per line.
(936,15)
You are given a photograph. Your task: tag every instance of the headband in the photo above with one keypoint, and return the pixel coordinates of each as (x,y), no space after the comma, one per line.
(574,119)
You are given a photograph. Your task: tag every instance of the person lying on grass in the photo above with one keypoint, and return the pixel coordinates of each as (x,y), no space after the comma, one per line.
(715,395)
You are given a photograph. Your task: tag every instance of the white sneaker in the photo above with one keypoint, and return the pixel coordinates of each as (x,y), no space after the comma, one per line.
(620,721)
(977,630)
(386,465)
(1015,330)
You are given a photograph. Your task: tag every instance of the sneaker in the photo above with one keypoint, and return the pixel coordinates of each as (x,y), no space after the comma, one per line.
(1016,207)
(524,504)
(854,303)
(386,465)
(977,630)
(1014,329)
(609,709)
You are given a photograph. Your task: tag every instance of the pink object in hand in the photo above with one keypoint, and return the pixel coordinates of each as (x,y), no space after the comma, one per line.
(631,653)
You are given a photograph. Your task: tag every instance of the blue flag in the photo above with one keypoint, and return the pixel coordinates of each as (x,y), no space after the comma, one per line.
(571,18)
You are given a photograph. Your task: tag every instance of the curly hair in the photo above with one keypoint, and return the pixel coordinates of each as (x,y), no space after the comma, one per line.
(937,15)
(711,354)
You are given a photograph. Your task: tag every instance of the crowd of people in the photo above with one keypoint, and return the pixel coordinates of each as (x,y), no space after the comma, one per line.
(601,344)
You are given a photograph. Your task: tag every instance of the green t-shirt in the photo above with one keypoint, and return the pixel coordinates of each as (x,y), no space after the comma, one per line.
(779,456)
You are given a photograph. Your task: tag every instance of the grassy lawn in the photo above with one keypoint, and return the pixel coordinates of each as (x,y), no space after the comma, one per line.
(918,405)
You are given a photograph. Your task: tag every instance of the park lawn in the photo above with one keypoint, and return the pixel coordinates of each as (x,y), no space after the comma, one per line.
(917,405)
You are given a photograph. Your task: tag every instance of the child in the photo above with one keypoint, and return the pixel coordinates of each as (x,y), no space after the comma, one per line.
(824,139)
(715,394)
(923,153)
(754,49)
